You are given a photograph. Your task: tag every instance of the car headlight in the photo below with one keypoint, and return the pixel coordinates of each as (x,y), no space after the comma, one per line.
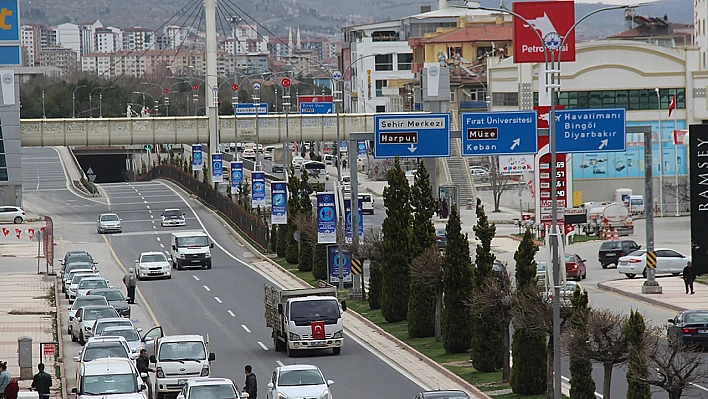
(294,337)
(338,334)
(282,395)
(207,254)
(325,394)
(205,372)
(159,373)
(182,256)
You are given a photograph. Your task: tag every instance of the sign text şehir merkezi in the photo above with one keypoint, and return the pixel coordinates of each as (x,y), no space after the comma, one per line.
(403,123)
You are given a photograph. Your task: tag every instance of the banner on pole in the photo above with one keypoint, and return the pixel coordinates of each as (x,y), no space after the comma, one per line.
(279,203)
(326,219)
(258,190)
(197,160)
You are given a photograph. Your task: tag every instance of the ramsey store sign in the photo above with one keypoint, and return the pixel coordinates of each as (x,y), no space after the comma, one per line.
(551,20)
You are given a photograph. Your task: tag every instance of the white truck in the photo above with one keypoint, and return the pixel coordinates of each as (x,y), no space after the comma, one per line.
(189,249)
(178,358)
(304,319)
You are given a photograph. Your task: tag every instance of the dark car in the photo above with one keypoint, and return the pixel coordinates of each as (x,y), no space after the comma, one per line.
(441,237)
(689,327)
(611,251)
(115,298)
(75,256)
(575,267)
(448,394)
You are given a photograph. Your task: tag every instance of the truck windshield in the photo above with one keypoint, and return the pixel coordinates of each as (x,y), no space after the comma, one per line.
(198,241)
(314,310)
(181,351)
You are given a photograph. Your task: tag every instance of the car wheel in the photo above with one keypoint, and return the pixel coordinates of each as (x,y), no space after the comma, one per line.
(644,273)
(18,220)
(336,351)
(98,231)
(208,266)
(82,341)
(630,275)
(169,277)
(604,265)
(160,395)
(73,337)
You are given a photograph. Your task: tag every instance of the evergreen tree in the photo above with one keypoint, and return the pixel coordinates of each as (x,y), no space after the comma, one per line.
(397,244)
(306,253)
(582,385)
(273,238)
(487,338)
(319,264)
(528,370)
(292,249)
(637,365)
(421,303)
(375,278)
(282,240)
(457,287)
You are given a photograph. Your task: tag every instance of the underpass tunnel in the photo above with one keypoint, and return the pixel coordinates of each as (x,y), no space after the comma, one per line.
(108,168)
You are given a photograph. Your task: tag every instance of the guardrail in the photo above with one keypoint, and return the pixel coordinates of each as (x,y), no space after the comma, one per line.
(249,224)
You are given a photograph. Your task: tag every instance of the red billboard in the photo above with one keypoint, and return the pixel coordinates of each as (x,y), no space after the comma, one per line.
(313,99)
(545,189)
(542,112)
(551,20)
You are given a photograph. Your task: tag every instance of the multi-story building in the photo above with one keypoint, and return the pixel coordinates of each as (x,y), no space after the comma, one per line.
(279,47)
(137,38)
(144,63)
(60,57)
(48,36)
(31,41)
(174,36)
(69,36)
(108,40)
(87,32)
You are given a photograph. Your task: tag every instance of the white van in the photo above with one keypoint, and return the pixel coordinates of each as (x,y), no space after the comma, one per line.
(178,358)
(636,205)
(367,203)
(328,159)
(190,248)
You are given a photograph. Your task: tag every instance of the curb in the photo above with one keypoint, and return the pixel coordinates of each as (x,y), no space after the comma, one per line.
(639,297)
(60,349)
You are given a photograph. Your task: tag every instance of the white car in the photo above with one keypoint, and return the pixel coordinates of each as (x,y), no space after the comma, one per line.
(82,324)
(367,203)
(480,174)
(86,300)
(107,322)
(91,283)
(73,289)
(298,381)
(109,222)
(411,173)
(13,214)
(100,348)
(76,268)
(130,334)
(200,388)
(153,264)
(668,261)
(110,378)
(249,154)
(172,217)
(298,161)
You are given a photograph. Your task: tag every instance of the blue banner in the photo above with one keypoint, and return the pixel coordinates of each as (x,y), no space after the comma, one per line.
(361,147)
(348,219)
(197,160)
(326,219)
(279,203)
(236,174)
(217,171)
(333,262)
(258,189)
(343,146)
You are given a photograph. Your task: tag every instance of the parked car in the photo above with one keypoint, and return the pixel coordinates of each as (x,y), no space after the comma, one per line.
(367,203)
(105,322)
(110,378)
(566,292)
(114,297)
(298,381)
(200,388)
(85,318)
(668,261)
(13,214)
(130,334)
(541,273)
(441,237)
(611,251)
(109,223)
(71,271)
(689,327)
(297,162)
(443,394)
(480,174)
(86,300)
(73,289)
(575,267)
(76,256)
(91,283)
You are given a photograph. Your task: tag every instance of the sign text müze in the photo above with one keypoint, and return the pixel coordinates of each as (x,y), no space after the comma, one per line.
(406,123)
(488,133)
(499,133)
(399,138)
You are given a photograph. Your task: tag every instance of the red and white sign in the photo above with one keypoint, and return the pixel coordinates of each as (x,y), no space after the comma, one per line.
(569,228)
(318,330)
(680,137)
(313,99)
(525,217)
(551,20)
(615,213)
(542,112)
(49,349)
(234,87)
(285,82)
(545,189)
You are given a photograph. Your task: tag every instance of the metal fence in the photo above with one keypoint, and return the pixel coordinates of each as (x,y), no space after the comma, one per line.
(250,225)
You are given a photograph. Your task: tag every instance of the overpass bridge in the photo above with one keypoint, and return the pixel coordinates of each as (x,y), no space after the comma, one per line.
(92,132)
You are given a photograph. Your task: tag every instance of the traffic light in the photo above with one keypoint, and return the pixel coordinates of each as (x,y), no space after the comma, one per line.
(195,87)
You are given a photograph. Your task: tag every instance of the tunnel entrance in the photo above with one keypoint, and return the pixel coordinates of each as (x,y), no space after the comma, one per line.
(108,168)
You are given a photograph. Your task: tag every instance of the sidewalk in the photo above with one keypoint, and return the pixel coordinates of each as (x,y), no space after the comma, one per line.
(673,294)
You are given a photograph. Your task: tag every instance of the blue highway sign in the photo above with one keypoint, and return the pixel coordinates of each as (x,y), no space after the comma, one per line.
(9,21)
(499,133)
(591,130)
(412,136)
(250,109)
(317,108)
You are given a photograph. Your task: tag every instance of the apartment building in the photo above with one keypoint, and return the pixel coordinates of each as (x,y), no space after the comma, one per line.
(137,64)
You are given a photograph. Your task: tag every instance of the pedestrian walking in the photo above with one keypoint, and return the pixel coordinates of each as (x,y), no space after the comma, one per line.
(344,164)
(438,208)
(143,365)
(251,387)
(445,208)
(689,276)
(41,382)
(4,379)
(130,282)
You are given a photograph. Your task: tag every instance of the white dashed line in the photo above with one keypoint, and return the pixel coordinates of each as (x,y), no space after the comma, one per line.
(142,198)
(153,226)
(244,327)
(217,299)
(281,364)
(157,238)
(195,277)
(148,206)
(145,202)
(265,348)
(207,288)
(167,253)
(150,212)
(231,313)
(162,245)
(152,217)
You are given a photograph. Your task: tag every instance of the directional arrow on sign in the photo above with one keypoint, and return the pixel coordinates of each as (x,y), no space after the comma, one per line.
(515,143)
(89,171)
(603,144)
(412,148)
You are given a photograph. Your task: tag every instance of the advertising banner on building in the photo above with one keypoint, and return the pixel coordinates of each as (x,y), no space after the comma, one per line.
(698,145)
(258,190)
(278,203)
(514,165)
(348,219)
(197,160)
(551,21)
(236,174)
(333,262)
(326,219)
(217,171)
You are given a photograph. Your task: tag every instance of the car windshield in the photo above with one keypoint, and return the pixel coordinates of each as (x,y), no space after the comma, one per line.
(153,258)
(77,278)
(128,333)
(440,231)
(179,351)
(83,301)
(610,245)
(95,314)
(638,253)
(92,284)
(109,384)
(70,272)
(291,378)
(570,258)
(197,241)
(112,295)
(114,323)
(79,258)
(103,351)
(109,218)
(173,213)
(221,391)
(314,310)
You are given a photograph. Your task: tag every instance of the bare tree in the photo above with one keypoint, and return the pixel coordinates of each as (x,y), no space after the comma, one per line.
(307,226)
(370,246)
(683,192)
(497,181)
(427,269)
(674,368)
(497,298)
(605,343)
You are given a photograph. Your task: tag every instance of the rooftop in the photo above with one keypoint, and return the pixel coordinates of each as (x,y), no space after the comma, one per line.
(484,33)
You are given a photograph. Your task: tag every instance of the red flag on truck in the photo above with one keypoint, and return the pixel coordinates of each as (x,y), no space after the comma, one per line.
(318,330)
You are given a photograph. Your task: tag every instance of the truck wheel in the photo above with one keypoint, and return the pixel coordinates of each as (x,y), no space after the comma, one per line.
(290,352)
(336,351)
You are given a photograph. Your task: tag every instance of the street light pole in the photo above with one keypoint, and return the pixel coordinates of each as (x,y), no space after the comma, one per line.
(44,114)
(661,158)
(354,206)
(73,100)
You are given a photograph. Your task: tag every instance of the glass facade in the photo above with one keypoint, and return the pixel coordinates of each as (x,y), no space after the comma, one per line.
(631,100)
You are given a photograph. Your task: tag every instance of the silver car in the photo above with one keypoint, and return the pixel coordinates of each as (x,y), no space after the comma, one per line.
(86,300)
(73,289)
(91,283)
(73,269)
(131,335)
(172,217)
(85,318)
(299,381)
(109,223)
(104,323)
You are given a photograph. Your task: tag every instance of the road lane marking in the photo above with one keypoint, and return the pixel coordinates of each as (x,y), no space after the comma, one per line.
(207,288)
(167,252)
(243,326)
(281,364)
(217,299)
(152,217)
(265,348)
(154,227)
(157,238)
(162,245)
(142,198)
(195,277)
(148,206)
(145,202)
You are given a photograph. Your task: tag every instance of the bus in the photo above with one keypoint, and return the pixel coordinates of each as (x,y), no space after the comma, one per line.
(316,171)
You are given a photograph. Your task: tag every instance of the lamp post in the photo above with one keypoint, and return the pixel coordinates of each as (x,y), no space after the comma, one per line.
(100,101)
(73,101)
(661,158)
(44,113)
(91,99)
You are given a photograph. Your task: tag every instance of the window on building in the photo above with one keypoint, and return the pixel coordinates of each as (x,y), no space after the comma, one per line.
(505,99)
(454,51)
(405,62)
(380,84)
(3,161)
(631,100)
(3,174)
(380,108)
(384,36)
(383,62)
(452,96)
(483,51)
